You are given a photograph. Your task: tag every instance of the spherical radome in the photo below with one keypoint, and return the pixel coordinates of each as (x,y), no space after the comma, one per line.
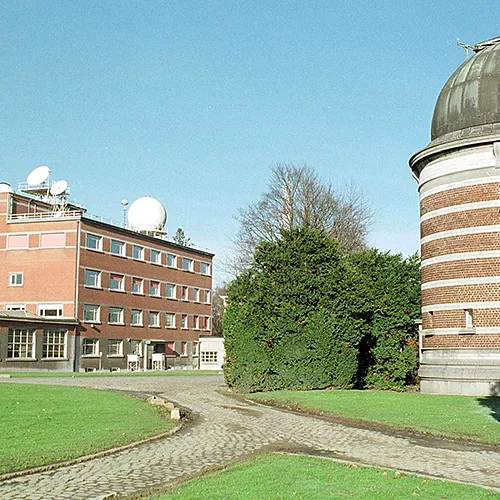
(5,188)
(147,214)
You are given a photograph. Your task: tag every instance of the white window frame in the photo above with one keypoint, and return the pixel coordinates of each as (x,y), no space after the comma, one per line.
(122,246)
(185,298)
(196,322)
(52,347)
(173,257)
(117,343)
(169,318)
(95,309)
(469,318)
(174,291)
(195,348)
(97,281)
(97,239)
(94,343)
(16,278)
(140,252)
(207,273)
(15,307)
(116,285)
(156,289)
(139,315)
(190,264)
(115,311)
(21,343)
(156,322)
(206,296)
(141,290)
(156,252)
(209,357)
(43,308)
(184,324)
(196,294)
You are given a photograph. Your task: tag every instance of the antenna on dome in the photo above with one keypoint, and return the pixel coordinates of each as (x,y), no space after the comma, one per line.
(124,204)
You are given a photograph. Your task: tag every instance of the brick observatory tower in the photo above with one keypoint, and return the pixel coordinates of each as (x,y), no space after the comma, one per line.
(459,184)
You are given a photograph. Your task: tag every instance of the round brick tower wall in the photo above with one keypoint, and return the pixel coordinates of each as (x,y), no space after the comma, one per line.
(459,185)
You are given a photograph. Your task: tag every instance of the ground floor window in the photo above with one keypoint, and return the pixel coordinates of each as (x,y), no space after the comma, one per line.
(54,343)
(21,343)
(115,347)
(209,356)
(90,347)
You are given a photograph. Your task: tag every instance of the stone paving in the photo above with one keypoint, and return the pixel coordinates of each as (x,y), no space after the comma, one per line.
(227,429)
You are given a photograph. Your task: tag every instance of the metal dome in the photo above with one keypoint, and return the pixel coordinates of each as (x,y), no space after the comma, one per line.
(470,99)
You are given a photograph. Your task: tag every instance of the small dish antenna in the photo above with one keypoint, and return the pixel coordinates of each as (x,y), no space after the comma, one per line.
(59,187)
(38,176)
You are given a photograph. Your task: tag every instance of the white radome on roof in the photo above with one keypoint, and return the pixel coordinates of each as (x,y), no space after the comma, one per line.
(5,188)
(147,214)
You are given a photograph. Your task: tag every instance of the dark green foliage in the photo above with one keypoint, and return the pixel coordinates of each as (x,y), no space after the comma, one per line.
(306,316)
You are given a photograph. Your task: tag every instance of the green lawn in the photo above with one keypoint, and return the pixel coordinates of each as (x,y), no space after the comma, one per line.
(302,477)
(42,424)
(461,417)
(169,373)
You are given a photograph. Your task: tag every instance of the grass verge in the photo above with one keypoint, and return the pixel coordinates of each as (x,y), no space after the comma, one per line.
(303,477)
(43,424)
(459,417)
(170,373)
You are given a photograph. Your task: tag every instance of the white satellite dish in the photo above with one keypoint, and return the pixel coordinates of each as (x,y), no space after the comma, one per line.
(38,176)
(58,187)
(5,188)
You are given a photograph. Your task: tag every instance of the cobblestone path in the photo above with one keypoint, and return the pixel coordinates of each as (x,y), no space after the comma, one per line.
(228,429)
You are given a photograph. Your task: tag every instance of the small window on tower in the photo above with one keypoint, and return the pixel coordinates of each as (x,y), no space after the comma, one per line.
(469,319)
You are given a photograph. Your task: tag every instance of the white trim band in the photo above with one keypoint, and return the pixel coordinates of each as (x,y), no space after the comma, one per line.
(461,305)
(456,331)
(494,228)
(460,282)
(486,254)
(459,184)
(460,208)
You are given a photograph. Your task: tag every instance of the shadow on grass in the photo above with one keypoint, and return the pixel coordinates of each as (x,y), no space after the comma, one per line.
(492,402)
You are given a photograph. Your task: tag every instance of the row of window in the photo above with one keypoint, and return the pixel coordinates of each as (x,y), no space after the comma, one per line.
(92,314)
(93,278)
(21,343)
(91,347)
(47,240)
(117,247)
(47,310)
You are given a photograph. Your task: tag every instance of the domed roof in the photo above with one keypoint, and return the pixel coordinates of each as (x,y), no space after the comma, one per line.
(470,99)
(147,214)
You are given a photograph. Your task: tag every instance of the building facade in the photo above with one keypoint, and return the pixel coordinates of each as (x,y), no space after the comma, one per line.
(120,299)
(459,185)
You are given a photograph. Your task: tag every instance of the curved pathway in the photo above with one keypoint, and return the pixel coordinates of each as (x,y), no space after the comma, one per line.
(227,429)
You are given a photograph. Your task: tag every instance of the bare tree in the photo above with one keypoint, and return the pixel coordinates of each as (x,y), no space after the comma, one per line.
(296,197)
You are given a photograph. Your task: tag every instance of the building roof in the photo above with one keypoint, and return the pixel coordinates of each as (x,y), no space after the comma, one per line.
(469,103)
(26,316)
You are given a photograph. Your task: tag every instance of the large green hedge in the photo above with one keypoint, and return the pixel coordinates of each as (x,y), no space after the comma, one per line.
(306,316)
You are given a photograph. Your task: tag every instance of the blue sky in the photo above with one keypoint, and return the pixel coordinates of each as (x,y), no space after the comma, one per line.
(192,102)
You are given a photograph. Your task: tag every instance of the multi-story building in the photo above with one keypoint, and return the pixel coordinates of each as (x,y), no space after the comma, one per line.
(81,294)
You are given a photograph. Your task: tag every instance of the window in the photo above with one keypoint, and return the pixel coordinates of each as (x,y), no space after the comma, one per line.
(155,257)
(154,288)
(205,323)
(469,319)
(170,348)
(15,279)
(136,318)
(154,319)
(138,252)
(50,310)
(135,347)
(52,240)
(21,343)
(117,247)
(54,344)
(115,315)
(171,260)
(209,356)
(187,264)
(205,268)
(196,322)
(171,291)
(206,296)
(184,321)
(115,347)
(94,242)
(92,278)
(91,313)
(15,307)
(196,294)
(15,241)
(169,320)
(137,285)
(184,346)
(195,348)
(90,347)
(116,282)
(184,293)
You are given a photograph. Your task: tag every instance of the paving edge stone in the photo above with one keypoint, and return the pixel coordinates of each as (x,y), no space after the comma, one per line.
(87,458)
